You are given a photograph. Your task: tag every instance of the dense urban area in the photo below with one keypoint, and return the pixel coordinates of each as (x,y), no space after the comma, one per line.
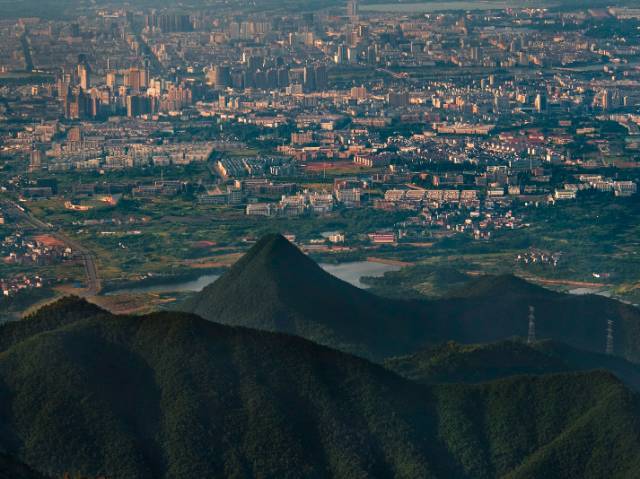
(141,146)
(391,239)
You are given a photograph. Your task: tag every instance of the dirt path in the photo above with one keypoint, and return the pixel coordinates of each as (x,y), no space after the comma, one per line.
(392,262)
(566,282)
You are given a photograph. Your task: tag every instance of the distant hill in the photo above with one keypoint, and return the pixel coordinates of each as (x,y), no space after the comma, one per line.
(434,282)
(457,363)
(483,286)
(276,287)
(60,313)
(492,308)
(170,395)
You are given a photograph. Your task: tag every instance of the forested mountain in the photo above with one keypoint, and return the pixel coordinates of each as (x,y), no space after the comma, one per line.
(170,395)
(453,362)
(492,308)
(276,287)
(13,469)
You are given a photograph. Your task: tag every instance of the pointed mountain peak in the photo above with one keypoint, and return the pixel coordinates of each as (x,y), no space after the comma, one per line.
(273,245)
(272,264)
(273,241)
(276,287)
(272,256)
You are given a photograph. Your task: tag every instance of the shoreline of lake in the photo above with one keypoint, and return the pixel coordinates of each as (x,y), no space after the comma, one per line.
(352,272)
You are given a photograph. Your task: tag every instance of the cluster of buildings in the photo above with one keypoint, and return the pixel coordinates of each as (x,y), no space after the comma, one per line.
(335,77)
(38,250)
(595,182)
(239,167)
(113,145)
(294,205)
(452,117)
(11,286)
(535,256)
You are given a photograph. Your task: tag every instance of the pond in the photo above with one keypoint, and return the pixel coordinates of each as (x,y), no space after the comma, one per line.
(351,272)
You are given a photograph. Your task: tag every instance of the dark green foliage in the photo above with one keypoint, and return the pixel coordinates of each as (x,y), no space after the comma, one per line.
(277,288)
(495,308)
(170,395)
(525,417)
(491,285)
(64,311)
(434,282)
(12,469)
(452,362)
(11,307)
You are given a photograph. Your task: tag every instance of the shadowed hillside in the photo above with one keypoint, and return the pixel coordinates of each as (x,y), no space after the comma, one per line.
(452,362)
(490,285)
(173,396)
(276,287)
(12,469)
(493,308)
(64,311)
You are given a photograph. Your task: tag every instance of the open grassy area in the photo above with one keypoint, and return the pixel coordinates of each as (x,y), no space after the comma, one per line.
(597,242)
(168,235)
(596,238)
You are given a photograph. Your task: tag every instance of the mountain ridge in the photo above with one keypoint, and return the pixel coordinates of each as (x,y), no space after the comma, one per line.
(492,284)
(473,363)
(170,395)
(275,287)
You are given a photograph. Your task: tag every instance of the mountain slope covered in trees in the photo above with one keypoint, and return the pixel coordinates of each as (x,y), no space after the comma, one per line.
(13,469)
(276,287)
(170,395)
(458,363)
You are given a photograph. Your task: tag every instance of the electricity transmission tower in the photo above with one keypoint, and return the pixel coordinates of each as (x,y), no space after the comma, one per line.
(609,336)
(531,338)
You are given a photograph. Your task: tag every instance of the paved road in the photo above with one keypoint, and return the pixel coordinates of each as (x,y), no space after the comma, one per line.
(28,62)
(395,75)
(93,284)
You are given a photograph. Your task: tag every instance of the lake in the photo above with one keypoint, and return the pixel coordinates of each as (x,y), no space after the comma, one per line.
(428,7)
(351,272)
